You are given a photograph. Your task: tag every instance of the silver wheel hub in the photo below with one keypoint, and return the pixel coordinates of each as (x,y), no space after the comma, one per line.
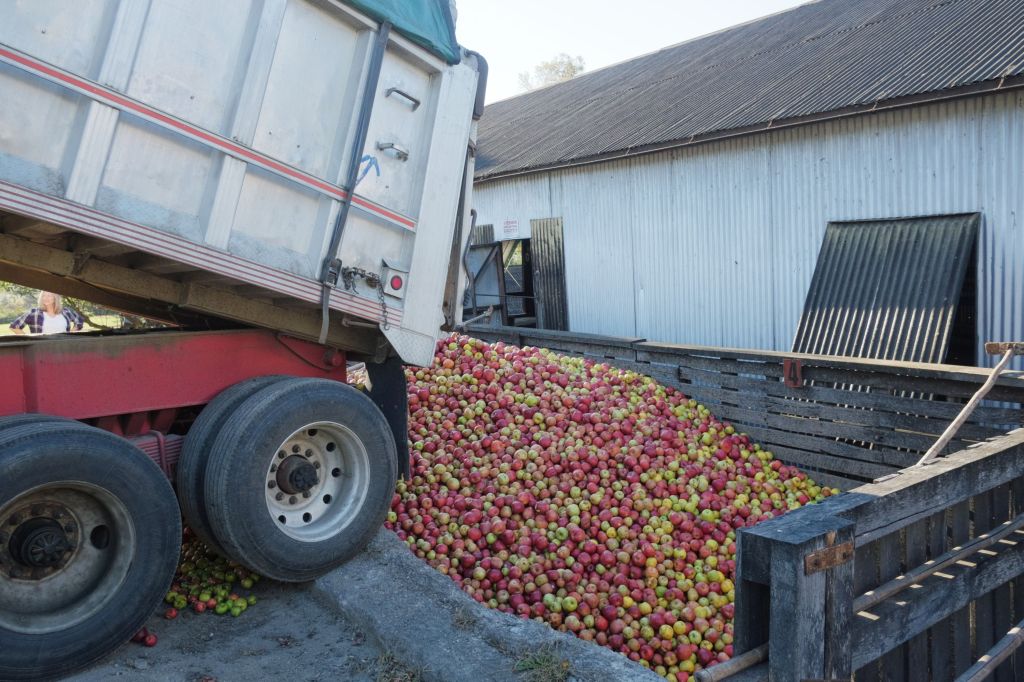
(65,549)
(316,481)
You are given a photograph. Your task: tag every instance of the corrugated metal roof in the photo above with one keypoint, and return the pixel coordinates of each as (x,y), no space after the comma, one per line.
(888,289)
(815,60)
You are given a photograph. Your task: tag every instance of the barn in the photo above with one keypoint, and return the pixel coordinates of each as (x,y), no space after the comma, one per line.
(843,177)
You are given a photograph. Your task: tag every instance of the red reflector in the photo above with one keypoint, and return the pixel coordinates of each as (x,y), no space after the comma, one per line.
(396,282)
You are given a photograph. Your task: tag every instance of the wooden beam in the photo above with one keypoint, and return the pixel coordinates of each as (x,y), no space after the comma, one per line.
(24,226)
(22,256)
(99,248)
(810,609)
(204,277)
(153,310)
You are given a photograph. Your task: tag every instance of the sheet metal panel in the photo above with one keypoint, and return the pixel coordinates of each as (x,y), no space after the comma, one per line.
(887,289)
(548,255)
(717,244)
(819,57)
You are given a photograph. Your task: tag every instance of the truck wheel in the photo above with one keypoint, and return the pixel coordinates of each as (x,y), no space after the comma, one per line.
(195,453)
(89,539)
(300,478)
(11,421)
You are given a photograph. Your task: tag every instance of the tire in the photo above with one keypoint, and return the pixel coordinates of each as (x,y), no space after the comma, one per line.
(195,454)
(14,420)
(78,484)
(311,432)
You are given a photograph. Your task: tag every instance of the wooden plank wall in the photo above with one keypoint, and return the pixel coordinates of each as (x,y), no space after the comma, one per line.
(850,421)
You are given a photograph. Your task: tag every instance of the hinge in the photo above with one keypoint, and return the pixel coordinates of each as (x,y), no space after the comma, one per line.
(828,557)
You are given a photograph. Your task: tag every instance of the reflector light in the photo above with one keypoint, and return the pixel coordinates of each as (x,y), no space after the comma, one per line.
(396,282)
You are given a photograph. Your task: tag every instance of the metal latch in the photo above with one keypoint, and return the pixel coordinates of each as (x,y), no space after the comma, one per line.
(828,557)
(400,152)
(792,373)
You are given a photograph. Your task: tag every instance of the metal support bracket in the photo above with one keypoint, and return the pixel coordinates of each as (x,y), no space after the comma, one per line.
(792,373)
(829,557)
(400,152)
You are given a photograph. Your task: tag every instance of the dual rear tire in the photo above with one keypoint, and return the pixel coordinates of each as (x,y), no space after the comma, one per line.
(288,477)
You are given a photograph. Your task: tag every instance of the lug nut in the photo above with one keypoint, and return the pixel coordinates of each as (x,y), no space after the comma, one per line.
(309,453)
(279,497)
(292,499)
(295,449)
(316,465)
(271,484)
(281,455)
(306,494)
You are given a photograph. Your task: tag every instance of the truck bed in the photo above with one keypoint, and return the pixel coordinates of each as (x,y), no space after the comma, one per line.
(189,159)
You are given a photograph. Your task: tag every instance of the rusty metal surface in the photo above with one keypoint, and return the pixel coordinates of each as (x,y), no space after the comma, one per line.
(829,557)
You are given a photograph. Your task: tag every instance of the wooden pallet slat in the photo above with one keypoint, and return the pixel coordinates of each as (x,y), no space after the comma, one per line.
(916,650)
(1003,604)
(961,620)
(904,402)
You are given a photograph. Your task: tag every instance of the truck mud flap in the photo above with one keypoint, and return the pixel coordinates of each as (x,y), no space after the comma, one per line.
(388,392)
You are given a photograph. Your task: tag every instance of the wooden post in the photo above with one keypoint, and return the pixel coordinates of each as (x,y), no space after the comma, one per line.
(806,559)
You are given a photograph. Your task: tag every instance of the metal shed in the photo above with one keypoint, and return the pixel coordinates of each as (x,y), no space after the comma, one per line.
(695,184)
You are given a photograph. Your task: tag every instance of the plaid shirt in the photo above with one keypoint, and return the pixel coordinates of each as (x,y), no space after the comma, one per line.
(33,319)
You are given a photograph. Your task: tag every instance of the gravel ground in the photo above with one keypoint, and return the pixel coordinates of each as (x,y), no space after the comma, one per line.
(289,634)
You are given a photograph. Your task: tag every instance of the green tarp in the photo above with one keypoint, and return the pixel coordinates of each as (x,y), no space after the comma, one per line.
(425,22)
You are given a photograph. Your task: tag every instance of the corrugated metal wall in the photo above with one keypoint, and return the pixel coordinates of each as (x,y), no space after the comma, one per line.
(548,255)
(888,289)
(716,244)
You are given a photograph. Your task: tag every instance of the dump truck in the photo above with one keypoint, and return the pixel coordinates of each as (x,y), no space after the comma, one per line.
(285,184)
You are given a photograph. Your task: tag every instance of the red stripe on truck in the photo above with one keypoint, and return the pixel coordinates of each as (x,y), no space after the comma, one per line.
(124,103)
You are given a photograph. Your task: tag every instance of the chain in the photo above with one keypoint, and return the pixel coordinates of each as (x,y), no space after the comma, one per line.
(348,277)
(383,304)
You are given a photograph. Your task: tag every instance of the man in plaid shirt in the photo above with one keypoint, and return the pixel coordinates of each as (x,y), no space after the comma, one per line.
(50,317)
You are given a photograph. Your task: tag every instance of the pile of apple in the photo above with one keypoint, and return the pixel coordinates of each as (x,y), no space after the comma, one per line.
(206,582)
(592,498)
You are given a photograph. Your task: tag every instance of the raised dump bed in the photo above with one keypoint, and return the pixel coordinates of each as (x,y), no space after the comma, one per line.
(241,160)
(914,577)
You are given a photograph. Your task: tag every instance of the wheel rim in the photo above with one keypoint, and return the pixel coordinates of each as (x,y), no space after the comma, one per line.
(65,549)
(317,480)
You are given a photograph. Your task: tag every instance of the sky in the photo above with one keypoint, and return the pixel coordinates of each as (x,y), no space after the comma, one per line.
(514,36)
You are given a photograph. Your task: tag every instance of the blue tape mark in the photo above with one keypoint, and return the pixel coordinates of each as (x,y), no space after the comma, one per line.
(367,162)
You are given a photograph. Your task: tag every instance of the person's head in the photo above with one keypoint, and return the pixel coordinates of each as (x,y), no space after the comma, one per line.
(50,302)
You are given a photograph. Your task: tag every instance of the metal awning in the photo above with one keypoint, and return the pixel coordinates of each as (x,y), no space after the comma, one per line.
(888,289)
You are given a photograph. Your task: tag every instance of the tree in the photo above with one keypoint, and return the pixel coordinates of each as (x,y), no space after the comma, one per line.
(560,68)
